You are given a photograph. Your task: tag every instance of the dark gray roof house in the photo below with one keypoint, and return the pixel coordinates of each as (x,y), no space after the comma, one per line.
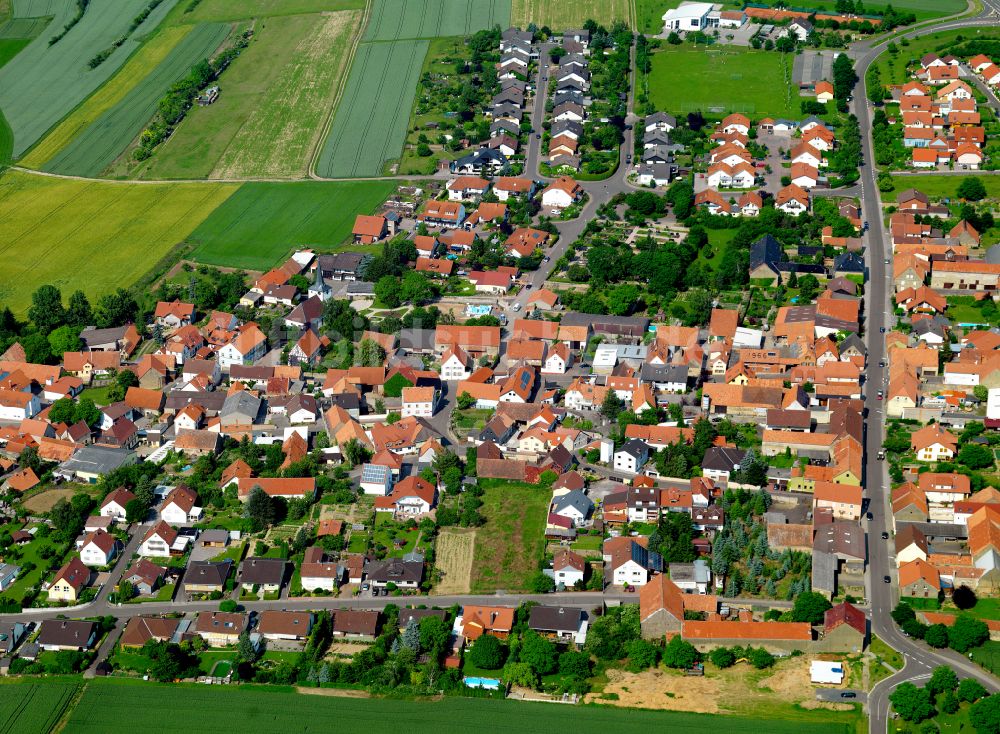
(721,458)
(405,574)
(240,407)
(574,500)
(558,621)
(262,571)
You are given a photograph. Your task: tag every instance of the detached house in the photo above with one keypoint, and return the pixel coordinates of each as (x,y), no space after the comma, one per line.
(561,193)
(932,443)
(99,548)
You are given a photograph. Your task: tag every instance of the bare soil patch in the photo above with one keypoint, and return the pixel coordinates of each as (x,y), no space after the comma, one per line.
(658,689)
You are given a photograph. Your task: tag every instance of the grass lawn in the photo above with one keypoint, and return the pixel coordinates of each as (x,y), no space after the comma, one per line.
(988,656)
(98,394)
(510,544)
(966,310)
(588,542)
(560,15)
(388,530)
(722,79)
(233,553)
(274,101)
(986,608)
(30,553)
(887,654)
(941,187)
(920,603)
(259,225)
(89,235)
(210,658)
(259,709)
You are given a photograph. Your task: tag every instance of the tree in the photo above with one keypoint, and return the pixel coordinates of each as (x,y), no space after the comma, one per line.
(519,674)
(975,456)
(722,657)
(810,607)
(46,310)
(246,651)
(911,703)
(136,510)
(943,679)
(576,664)
(985,715)
(125,591)
(902,613)
(259,509)
(78,312)
(115,309)
(699,304)
(465,401)
(370,353)
(971,189)
(62,411)
(87,412)
(674,39)
(642,654)
(760,658)
(542,584)
(679,653)
(537,652)
(434,635)
(936,636)
(967,633)
(487,652)
(389,291)
(622,299)
(808,287)
(355,452)
(411,635)
(970,690)
(612,406)
(228,606)
(64,339)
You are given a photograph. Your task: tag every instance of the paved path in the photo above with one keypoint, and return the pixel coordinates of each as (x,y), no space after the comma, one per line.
(919,659)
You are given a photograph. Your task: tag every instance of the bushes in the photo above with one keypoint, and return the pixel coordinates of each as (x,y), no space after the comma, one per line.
(81,8)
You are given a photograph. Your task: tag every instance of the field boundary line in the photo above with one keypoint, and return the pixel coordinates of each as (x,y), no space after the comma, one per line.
(319,141)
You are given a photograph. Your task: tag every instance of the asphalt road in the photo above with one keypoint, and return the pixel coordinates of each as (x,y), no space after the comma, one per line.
(919,659)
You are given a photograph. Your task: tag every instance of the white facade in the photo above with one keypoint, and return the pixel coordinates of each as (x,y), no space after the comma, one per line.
(173,514)
(92,555)
(154,547)
(16,412)
(421,409)
(567,576)
(113,509)
(687,17)
(630,572)
(555,198)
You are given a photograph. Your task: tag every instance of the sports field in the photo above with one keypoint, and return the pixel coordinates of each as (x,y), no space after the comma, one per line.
(138,67)
(103,140)
(721,80)
(43,83)
(258,709)
(33,708)
(275,99)
(91,235)
(216,10)
(398,19)
(262,222)
(370,123)
(560,15)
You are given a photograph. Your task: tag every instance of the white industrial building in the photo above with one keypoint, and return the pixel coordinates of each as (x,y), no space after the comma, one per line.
(690,17)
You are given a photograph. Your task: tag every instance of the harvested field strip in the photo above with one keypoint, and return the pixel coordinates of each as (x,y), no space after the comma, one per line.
(262,710)
(33,708)
(262,222)
(43,83)
(561,15)
(370,124)
(23,27)
(67,226)
(137,68)
(216,10)
(394,20)
(103,140)
(278,138)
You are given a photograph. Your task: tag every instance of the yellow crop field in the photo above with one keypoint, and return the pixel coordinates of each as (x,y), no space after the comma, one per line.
(91,235)
(560,15)
(134,71)
(453,558)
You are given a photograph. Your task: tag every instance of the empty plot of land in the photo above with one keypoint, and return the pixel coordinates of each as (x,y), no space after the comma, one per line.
(274,101)
(398,19)
(370,123)
(137,68)
(453,558)
(95,236)
(510,545)
(560,15)
(44,82)
(262,222)
(105,138)
(722,80)
(216,10)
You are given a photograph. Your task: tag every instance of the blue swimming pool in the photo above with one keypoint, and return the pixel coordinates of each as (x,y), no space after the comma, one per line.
(490,684)
(472,309)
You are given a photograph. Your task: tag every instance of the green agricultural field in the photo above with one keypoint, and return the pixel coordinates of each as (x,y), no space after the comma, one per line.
(370,123)
(720,80)
(138,67)
(95,236)
(275,99)
(43,83)
(261,710)
(24,28)
(560,15)
(101,142)
(33,708)
(923,9)
(940,187)
(510,544)
(216,10)
(394,20)
(263,222)
(893,66)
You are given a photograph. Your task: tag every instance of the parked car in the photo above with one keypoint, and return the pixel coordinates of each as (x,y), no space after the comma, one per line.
(848,694)
(887,579)
(870,516)
(879,394)
(885,535)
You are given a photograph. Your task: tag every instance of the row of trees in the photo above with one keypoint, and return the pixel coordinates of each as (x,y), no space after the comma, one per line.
(944,693)
(964,635)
